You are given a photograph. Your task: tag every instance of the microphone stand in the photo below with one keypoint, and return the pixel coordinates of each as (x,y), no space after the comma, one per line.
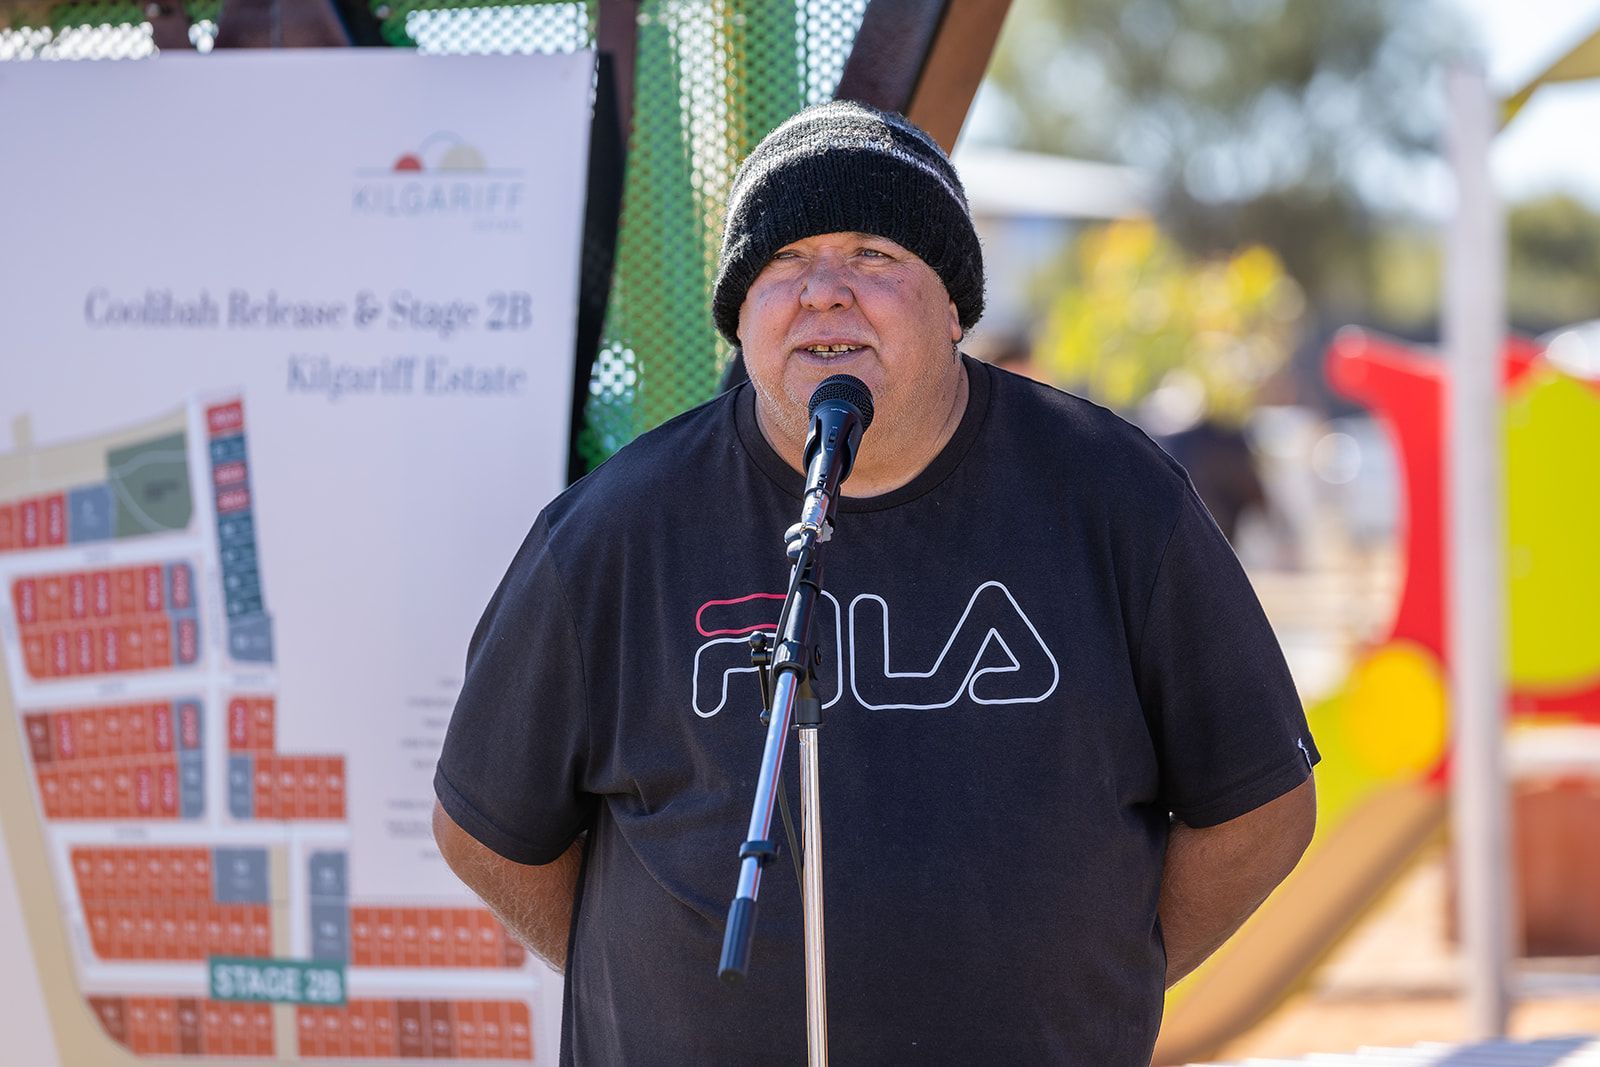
(793,664)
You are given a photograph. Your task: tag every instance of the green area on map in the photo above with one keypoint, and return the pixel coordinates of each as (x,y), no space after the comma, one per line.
(276,981)
(150,484)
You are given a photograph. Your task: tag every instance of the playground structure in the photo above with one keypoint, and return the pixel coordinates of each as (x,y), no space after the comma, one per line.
(1382,787)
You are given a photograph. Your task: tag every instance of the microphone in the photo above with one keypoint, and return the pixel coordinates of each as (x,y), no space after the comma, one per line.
(841,411)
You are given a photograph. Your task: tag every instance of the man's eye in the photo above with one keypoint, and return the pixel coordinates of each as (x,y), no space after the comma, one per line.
(874,252)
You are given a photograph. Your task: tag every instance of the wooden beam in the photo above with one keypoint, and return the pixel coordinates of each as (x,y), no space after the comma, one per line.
(924,59)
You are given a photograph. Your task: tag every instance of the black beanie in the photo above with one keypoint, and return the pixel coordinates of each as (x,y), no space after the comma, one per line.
(843,167)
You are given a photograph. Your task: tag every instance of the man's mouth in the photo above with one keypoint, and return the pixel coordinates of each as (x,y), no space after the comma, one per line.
(826,352)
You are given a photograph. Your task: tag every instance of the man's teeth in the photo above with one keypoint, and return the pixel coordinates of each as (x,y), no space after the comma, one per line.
(830,349)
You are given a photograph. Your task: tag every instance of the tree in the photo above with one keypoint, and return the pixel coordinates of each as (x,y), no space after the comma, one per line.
(1296,124)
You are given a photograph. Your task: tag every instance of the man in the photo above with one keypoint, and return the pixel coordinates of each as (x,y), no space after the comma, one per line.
(1063,756)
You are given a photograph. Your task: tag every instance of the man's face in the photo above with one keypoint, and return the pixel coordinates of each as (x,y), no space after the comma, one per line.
(860,291)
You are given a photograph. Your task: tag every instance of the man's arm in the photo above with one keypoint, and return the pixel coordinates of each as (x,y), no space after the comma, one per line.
(1215,877)
(534,903)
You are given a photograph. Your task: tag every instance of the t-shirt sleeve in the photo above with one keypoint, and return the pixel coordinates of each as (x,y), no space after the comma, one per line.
(1229,731)
(511,770)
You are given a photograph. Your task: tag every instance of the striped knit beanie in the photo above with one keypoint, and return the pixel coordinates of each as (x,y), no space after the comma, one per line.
(843,167)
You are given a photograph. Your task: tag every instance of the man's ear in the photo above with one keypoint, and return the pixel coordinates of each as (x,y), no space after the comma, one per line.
(955,322)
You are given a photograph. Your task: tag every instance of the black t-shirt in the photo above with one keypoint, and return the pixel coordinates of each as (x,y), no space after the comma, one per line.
(1032,654)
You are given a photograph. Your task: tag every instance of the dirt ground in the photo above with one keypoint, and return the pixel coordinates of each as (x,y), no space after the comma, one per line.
(1395,981)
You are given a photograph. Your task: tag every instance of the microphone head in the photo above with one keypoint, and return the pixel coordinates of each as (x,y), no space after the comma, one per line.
(844,387)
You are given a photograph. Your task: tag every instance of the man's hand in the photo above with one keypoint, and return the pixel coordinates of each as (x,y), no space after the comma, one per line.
(534,903)
(1217,876)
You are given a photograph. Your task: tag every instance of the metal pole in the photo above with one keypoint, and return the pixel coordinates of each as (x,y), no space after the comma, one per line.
(811,882)
(1474,334)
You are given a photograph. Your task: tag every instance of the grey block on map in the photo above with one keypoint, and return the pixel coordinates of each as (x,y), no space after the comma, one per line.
(224,449)
(90,513)
(330,931)
(241,875)
(241,787)
(192,784)
(250,639)
(239,556)
(236,530)
(330,876)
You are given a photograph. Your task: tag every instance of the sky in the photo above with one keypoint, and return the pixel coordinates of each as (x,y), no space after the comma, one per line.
(1551,145)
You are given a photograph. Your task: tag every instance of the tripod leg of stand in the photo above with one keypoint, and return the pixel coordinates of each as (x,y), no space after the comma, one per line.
(816,955)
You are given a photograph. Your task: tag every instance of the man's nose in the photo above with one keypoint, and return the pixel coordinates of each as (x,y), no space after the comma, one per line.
(826,286)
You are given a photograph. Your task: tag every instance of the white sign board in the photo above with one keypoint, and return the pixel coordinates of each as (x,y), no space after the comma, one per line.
(287,371)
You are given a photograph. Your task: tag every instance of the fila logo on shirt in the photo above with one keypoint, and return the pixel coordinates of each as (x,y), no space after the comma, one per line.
(994,654)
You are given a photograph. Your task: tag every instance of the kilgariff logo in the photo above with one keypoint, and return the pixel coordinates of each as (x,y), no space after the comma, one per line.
(443,177)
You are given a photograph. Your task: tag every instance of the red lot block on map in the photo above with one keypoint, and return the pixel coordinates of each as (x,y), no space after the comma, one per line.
(149,944)
(263,724)
(469,1035)
(97,798)
(154,599)
(410,937)
(157,644)
(139,1024)
(101,603)
(441,1027)
(52,599)
(25,601)
(28,524)
(188,1027)
(519,1031)
(388,946)
(229,473)
(60,653)
(83,873)
(213,1027)
(83,658)
(110,647)
(66,739)
(385,1037)
(153,875)
(87,728)
(225,418)
(165,1014)
(161,722)
(37,727)
(50,793)
(8,527)
(358,1031)
(123,802)
(144,789)
(239,1042)
(260,930)
(113,734)
(33,655)
(491,1029)
(72,794)
(169,940)
(125,590)
(77,596)
(361,954)
(232,500)
(136,729)
(410,1037)
(308,1030)
(55,519)
(436,939)
(133,646)
(335,1036)
(98,918)
(168,786)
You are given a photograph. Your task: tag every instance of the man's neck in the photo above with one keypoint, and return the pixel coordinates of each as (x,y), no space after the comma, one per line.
(888,459)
